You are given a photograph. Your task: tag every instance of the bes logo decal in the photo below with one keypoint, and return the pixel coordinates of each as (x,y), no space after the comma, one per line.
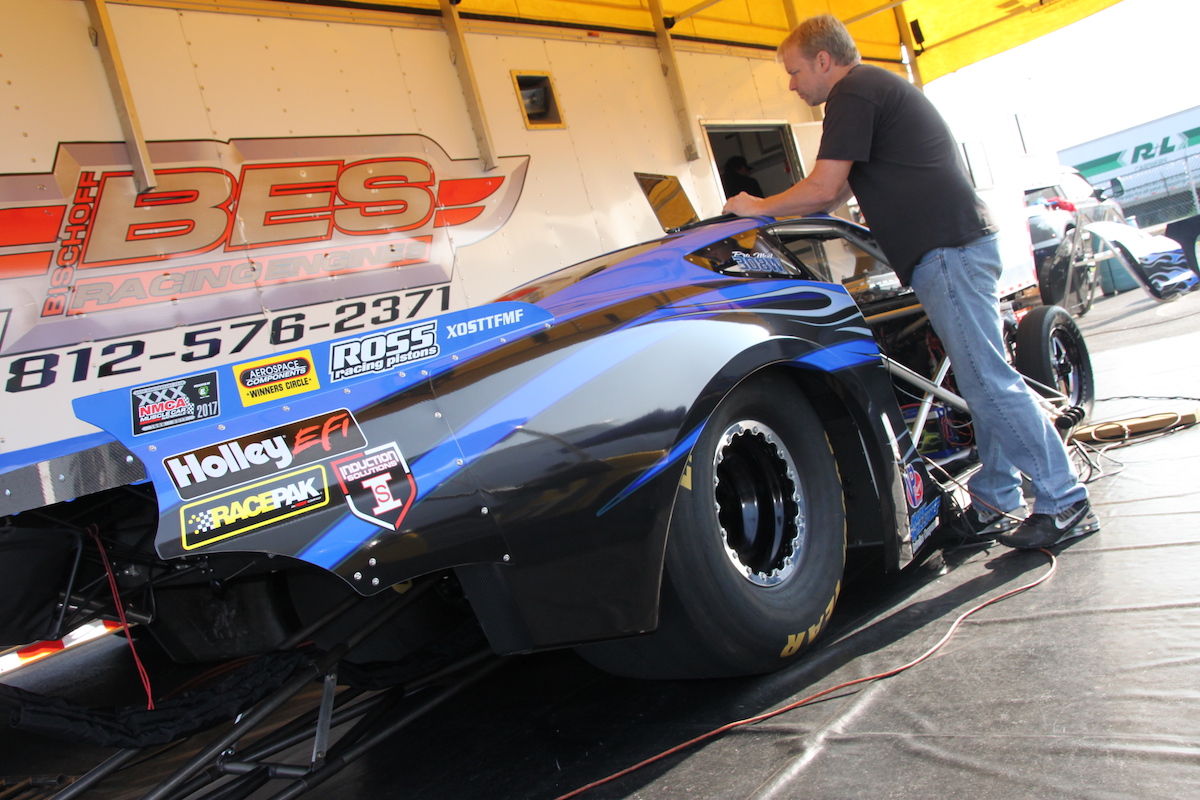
(250,221)
(378,485)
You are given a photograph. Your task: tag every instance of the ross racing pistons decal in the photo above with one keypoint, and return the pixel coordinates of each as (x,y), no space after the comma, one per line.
(380,352)
(218,466)
(914,486)
(378,485)
(251,507)
(276,377)
(176,402)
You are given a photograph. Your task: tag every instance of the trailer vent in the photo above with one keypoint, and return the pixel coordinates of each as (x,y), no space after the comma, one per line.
(539,104)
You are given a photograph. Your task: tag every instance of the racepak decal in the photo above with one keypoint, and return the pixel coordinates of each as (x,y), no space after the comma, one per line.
(242,510)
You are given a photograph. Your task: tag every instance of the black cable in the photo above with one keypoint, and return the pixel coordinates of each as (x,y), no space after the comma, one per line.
(1146,397)
(824,692)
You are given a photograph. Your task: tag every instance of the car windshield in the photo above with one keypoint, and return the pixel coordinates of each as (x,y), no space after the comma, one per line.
(1041,231)
(556,281)
(748,254)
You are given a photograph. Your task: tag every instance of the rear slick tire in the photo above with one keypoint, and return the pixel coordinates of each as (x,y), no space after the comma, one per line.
(756,546)
(1050,349)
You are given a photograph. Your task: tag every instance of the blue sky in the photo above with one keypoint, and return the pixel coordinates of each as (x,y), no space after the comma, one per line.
(1131,63)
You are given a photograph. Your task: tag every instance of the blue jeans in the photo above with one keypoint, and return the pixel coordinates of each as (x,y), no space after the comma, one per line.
(957,287)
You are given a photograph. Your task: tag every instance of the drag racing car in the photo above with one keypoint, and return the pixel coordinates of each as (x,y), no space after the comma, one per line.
(659,456)
(1157,262)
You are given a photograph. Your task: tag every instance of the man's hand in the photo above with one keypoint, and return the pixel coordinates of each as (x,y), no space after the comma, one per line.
(744,205)
(824,190)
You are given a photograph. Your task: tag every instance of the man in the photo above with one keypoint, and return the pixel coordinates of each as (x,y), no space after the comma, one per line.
(886,144)
(736,178)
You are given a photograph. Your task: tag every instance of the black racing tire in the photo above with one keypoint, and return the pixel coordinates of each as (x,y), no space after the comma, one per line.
(756,547)
(1054,270)
(1051,350)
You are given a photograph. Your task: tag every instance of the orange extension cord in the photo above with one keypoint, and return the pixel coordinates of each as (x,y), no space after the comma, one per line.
(116,595)
(791,706)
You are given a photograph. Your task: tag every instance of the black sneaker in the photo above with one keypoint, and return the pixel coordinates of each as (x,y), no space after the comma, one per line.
(983,523)
(1047,530)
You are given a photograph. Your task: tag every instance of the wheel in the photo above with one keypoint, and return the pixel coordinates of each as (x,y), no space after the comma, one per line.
(1084,290)
(1055,268)
(1051,350)
(756,546)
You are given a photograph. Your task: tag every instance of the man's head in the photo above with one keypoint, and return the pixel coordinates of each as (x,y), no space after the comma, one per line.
(817,54)
(737,165)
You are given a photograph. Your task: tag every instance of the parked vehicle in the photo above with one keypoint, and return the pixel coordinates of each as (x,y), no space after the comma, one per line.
(1066,273)
(1152,169)
(1158,263)
(1059,207)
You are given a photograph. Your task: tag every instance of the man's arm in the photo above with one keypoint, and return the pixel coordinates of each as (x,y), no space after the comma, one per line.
(824,190)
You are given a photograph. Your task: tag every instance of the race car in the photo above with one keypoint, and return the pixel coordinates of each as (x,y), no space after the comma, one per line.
(659,456)
(1156,262)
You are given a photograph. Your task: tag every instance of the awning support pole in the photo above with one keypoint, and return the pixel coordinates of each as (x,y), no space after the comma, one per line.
(470,87)
(118,83)
(670,66)
(793,16)
(694,10)
(872,12)
(906,37)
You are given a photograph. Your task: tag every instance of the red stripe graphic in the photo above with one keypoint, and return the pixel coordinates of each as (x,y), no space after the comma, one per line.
(20,265)
(460,192)
(20,226)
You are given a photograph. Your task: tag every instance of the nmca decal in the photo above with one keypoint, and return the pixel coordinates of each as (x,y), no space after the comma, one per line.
(251,507)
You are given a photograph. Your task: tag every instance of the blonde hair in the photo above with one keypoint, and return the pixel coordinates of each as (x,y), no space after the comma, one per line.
(821,34)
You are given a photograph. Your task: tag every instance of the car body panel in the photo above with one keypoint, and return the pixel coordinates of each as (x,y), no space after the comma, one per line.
(534,447)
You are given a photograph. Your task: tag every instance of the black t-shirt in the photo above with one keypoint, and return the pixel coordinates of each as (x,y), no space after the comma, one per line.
(908,175)
(735,184)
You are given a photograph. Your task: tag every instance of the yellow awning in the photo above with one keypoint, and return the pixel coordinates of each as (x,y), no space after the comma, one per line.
(955,32)
(961,32)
